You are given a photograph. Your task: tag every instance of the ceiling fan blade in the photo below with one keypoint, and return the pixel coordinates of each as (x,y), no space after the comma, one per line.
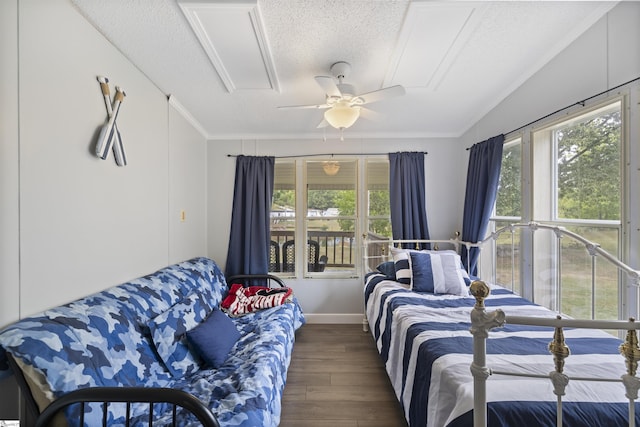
(298,107)
(323,124)
(369,114)
(377,95)
(329,86)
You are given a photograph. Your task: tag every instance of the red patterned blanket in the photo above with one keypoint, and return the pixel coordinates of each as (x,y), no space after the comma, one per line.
(241,300)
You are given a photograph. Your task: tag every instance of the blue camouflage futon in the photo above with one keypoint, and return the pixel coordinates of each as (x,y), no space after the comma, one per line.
(134,335)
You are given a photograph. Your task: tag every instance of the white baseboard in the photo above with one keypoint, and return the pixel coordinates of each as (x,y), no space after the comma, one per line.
(334,318)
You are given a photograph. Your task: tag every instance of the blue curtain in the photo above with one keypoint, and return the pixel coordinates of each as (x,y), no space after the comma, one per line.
(407,196)
(250,234)
(483,174)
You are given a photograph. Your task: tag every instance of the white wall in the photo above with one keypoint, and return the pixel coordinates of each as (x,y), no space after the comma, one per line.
(9,171)
(187,189)
(220,181)
(85,223)
(9,195)
(606,55)
(73,224)
(335,300)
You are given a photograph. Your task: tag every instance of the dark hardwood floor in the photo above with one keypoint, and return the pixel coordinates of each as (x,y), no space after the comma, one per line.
(337,379)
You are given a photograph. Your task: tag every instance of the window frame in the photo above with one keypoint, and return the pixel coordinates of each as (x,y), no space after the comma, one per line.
(531,212)
(366,206)
(551,128)
(301,253)
(361,218)
(516,279)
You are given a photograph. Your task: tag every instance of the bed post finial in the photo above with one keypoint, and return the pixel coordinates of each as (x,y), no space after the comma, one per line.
(558,348)
(560,351)
(480,291)
(481,321)
(629,349)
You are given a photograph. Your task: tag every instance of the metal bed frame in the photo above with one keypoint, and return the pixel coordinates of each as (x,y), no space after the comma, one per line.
(482,321)
(107,395)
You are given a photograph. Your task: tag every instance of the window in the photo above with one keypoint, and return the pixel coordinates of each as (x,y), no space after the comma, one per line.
(508,210)
(325,207)
(378,205)
(509,197)
(578,164)
(331,215)
(283,215)
(570,174)
(577,170)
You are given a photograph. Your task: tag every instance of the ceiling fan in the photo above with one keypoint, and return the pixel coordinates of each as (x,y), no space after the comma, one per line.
(342,104)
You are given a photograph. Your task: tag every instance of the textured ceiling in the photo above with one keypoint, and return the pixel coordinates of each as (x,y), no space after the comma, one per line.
(457,60)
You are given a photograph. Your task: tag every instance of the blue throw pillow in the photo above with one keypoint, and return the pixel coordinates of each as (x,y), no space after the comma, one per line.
(213,338)
(388,269)
(402,266)
(437,273)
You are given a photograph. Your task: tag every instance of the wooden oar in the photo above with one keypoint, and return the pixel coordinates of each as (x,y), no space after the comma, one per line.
(109,131)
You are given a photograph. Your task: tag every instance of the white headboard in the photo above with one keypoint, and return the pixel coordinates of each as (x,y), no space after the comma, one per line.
(378,250)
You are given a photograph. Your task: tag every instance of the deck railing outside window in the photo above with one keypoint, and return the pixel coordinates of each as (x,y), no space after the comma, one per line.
(337,246)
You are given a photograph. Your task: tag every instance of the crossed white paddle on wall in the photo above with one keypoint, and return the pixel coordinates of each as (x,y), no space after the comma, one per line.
(109,134)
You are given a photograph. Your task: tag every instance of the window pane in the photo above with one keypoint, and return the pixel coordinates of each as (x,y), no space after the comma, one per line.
(331,215)
(378,207)
(283,233)
(380,228)
(577,291)
(283,212)
(508,200)
(334,243)
(508,258)
(565,272)
(588,161)
(330,192)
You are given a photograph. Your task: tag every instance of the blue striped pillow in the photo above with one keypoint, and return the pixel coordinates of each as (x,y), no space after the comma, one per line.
(437,273)
(401,262)
(403,267)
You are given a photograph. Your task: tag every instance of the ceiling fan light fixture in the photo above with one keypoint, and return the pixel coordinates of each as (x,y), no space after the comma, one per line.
(342,116)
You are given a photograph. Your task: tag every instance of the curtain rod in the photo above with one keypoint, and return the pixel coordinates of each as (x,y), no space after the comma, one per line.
(327,154)
(581,103)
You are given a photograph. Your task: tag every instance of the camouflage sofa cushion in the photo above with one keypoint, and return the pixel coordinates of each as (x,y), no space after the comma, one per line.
(107,339)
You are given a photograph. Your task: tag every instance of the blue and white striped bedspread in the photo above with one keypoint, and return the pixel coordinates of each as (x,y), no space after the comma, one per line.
(425,343)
